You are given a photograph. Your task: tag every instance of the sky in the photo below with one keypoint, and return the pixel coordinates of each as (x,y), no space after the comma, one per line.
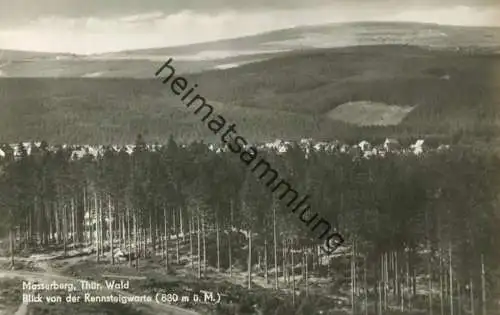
(96,26)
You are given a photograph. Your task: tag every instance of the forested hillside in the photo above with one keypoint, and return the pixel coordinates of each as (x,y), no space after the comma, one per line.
(454,95)
(421,231)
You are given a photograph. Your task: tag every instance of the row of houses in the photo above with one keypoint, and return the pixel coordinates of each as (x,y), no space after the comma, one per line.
(363,149)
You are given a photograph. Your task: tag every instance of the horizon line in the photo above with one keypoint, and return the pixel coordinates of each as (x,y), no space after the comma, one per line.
(248,36)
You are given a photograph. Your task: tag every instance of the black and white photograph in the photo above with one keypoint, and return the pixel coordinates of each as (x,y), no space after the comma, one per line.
(233,157)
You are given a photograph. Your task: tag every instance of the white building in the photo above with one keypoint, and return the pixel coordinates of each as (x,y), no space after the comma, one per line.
(365,146)
(391,145)
(418,147)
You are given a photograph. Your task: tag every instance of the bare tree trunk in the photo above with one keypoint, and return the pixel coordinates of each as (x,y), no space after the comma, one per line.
(111,231)
(379,291)
(459,298)
(165,232)
(181,225)
(145,242)
(401,285)
(441,283)
(191,252)
(177,245)
(162,238)
(472,308)
(57,223)
(204,245)
(303,263)
(199,245)
(276,284)
(88,241)
(96,217)
(123,232)
(429,283)
(313,257)
(129,237)
(11,247)
(483,286)
(136,236)
(284,263)
(393,275)
(383,281)
(218,243)
(365,285)
(230,254)
(451,278)
(318,257)
(397,287)
(29,230)
(175,233)
(266,272)
(48,206)
(65,230)
(249,258)
(158,234)
(408,293)
(413,276)
(259,260)
(151,235)
(386,279)
(306,273)
(292,271)
(73,222)
(446,282)
(101,228)
(353,284)
(429,287)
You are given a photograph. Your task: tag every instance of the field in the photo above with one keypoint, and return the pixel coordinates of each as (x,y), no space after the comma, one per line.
(370,114)
(455,95)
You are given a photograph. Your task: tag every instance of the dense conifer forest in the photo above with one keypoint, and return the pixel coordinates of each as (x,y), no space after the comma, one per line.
(421,230)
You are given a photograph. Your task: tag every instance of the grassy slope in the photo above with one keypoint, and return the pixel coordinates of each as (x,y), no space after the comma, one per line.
(286,97)
(136,67)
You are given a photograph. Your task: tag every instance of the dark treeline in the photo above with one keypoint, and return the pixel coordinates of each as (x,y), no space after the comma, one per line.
(421,231)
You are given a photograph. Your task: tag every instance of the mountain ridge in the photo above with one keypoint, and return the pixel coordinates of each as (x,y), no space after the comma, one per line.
(316,27)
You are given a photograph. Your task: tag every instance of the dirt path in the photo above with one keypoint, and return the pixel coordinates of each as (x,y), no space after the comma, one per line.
(50,276)
(22,310)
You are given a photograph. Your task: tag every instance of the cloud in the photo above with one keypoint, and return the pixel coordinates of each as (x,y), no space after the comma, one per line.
(20,11)
(156,29)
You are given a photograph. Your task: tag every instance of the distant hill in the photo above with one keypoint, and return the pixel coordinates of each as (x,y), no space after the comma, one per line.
(15,55)
(338,35)
(454,95)
(235,52)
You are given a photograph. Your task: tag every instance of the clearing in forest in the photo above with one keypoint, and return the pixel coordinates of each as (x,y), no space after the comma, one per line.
(367,113)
